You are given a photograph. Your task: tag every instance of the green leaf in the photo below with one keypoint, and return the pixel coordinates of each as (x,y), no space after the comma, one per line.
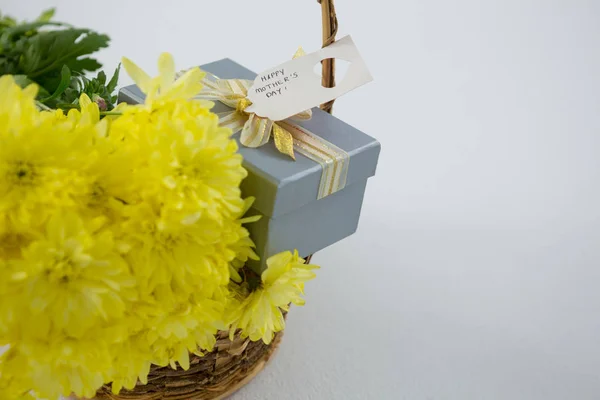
(65,81)
(112,84)
(69,97)
(42,55)
(24,28)
(46,15)
(42,92)
(49,51)
(7,21)
(101,77)
(84,64)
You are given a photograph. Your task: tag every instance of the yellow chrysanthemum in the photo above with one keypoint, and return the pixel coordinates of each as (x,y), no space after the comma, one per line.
(120,238)
(259,314)
(118,235)
(186,232)
(61,365)
(14,388)
(71,279)
(164,90)
(41,157)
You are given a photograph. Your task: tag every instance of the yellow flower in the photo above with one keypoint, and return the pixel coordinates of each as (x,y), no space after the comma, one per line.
(244,248)
(130,364)
(118,237)
(13,384)
(193,163)
(185,233)
(187,230)
(17,106)
(259,313)
(58,365)
(72,279)
(164,87)
(41,157)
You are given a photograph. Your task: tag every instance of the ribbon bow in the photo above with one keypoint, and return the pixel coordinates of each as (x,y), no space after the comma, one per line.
(288,136)
(256,131)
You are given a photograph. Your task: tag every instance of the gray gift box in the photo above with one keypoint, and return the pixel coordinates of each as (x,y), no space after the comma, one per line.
(286,191)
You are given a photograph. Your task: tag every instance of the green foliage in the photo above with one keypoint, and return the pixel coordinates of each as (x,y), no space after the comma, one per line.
(96,88)
(56,56)
(65,80)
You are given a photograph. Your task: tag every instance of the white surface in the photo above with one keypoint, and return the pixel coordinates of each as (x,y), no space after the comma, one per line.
(474,275)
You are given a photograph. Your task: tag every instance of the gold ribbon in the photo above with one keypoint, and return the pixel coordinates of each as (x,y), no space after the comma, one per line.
(287,136)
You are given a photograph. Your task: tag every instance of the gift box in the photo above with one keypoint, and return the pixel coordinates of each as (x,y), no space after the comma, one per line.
(296,210)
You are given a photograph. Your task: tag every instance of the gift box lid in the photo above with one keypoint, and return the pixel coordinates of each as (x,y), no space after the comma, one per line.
(280,184)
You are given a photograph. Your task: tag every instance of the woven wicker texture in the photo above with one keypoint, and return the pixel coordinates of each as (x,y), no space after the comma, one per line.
(330,28)
(216,375)
(232,363)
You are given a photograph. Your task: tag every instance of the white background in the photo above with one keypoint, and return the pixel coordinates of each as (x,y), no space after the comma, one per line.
(474,274)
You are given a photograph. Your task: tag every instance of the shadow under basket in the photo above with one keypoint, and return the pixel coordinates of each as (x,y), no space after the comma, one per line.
(214,376)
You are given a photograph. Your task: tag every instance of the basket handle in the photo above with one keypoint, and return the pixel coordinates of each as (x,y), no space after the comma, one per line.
(330,27)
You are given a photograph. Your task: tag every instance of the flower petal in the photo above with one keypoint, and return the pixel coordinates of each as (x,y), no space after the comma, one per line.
(166,70)
(141,78)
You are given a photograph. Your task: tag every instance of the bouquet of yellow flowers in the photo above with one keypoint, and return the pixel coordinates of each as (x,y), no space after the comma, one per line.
(122,241)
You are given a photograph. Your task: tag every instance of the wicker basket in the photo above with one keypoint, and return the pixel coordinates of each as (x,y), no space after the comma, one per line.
(216,375)
(232,363)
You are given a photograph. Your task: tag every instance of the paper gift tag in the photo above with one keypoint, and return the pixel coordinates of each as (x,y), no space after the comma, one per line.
(292,87)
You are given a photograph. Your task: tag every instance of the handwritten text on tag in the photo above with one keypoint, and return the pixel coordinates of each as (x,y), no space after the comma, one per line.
(293,86)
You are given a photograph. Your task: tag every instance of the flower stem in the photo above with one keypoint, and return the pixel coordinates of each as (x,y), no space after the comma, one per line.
(42,106)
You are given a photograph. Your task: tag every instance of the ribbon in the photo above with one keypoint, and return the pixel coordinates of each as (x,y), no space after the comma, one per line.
(287,136)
